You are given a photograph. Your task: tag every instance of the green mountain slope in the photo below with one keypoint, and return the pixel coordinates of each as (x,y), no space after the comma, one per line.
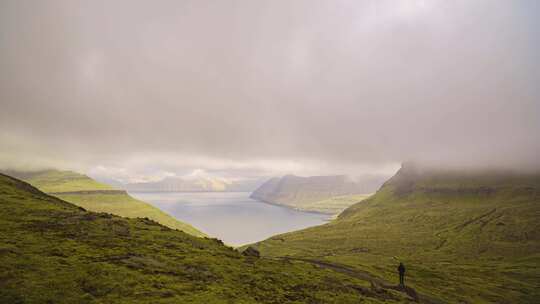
(54,252)
(56,181)
(85,192)
(472,237)
(334,205)
(316,193)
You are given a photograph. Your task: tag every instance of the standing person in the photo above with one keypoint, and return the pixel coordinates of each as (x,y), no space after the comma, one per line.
(401,270)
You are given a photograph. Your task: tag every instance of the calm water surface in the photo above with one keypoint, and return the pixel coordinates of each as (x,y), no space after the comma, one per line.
(231,216)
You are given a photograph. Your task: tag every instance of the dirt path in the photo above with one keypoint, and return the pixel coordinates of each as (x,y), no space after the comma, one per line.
(368,277)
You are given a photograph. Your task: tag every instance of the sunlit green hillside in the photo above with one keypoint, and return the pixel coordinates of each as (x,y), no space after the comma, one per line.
(55,181)
(334,205)
(83,191)
(54,252)
(471,237)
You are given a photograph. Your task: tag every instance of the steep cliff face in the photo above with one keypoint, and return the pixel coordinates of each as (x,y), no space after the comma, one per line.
(305,192)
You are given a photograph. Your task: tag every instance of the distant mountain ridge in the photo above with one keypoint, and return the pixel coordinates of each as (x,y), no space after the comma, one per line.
(302,192)
(178,184)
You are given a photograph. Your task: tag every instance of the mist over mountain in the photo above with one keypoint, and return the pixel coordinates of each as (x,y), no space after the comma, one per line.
(267,89)
(179,184)
(103,100)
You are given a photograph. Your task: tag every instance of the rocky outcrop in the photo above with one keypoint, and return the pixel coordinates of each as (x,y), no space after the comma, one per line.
(251,252)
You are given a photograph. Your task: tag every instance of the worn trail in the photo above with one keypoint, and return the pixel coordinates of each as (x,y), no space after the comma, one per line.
(369,277)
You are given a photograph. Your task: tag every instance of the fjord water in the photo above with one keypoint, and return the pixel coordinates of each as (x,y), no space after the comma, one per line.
(232,217)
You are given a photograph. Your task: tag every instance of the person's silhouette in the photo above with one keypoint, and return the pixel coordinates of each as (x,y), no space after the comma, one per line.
(401,270)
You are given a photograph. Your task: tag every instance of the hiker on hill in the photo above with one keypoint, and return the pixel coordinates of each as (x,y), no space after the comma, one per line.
(401,270)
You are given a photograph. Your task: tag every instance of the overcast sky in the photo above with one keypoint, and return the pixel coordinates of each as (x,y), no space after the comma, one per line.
(249,88)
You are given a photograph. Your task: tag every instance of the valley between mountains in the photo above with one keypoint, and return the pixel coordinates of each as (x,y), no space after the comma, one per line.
(52,251)
(469,237)
(270,152)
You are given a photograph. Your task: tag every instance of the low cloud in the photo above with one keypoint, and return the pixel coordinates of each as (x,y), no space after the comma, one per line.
(268,87)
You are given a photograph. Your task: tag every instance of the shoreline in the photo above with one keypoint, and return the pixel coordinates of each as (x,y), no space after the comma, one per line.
(329,215)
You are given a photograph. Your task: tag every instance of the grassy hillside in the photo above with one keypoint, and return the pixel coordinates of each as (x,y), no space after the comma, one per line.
(83,191)
(325,194)
(471,237)
(54,252)
(52,181)
(334,205)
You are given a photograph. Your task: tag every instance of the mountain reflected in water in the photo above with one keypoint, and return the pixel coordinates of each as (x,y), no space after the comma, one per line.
(231,216)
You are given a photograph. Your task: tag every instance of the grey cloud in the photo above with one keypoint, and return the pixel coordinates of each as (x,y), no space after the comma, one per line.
(327,84)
